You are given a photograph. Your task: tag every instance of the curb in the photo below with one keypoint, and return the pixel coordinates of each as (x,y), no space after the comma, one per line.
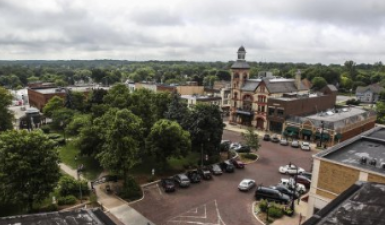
(255,216)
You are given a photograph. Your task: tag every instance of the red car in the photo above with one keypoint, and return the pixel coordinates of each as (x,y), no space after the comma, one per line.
(303,180)
(238,163)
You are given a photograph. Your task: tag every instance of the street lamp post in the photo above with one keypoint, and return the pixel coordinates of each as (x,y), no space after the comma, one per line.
(322,131)
(80,184)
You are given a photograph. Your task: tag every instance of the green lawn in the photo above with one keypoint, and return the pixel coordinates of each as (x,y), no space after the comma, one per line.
(67,155)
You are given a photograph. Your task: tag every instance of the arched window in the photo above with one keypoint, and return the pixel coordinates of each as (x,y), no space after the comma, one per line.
(247,102)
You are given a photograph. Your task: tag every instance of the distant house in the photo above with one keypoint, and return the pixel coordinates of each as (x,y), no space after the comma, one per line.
(369,94)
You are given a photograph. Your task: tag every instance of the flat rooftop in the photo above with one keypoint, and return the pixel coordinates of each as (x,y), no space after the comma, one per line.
(54,90)
(342,114)
(362,203)
(297,97)
(80,217)
(369,145)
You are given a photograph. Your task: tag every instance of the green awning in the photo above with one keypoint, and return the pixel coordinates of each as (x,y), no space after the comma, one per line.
(306,132)
(338,136)
(325,136)
(292,129)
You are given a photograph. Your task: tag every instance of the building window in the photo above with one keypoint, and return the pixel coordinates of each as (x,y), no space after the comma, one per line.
(271,111)
(247,102)
(280,112)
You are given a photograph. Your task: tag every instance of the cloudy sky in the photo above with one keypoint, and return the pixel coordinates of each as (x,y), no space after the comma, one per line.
(325,31)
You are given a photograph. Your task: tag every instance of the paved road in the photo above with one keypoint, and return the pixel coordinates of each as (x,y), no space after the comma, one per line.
(218,201)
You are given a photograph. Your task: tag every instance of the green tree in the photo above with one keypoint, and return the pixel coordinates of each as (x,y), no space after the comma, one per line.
(118,96)
(205,125)
(79,121)
(346,83)
(6,115)
(122,141)
(318,83)
(177,109)
(167,139)
(29,169)
(61,118)
(350,67)
(52,105)
(75,101)
(208,81)
(251,138)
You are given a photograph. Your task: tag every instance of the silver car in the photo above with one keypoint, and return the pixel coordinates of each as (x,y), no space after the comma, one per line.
(283,141)
(295,144)
(246,184)
(305,146)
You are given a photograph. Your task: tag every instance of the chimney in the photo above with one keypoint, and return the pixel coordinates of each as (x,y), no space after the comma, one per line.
(297,81)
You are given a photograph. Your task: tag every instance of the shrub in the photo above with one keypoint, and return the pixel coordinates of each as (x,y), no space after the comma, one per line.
(45,129)
(70,186)
(353,101)
(66,200)
(262,205)
(131,189)
(249,156)
(275,212)
(288,212)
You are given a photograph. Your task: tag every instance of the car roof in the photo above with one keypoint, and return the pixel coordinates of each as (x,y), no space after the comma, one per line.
(247,180)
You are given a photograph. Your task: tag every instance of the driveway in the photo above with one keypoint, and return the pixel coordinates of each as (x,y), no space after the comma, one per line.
(218,201)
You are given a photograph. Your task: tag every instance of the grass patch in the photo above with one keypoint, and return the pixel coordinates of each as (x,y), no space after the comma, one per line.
(67,155)
(142,172)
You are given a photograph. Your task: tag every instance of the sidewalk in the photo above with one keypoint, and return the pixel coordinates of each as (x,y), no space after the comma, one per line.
(300,210)
(114,205)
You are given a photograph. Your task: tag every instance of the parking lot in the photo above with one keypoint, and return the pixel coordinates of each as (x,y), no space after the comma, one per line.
(218,201)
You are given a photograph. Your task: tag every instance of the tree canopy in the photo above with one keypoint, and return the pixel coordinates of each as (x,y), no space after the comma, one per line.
(29,171)
(6,117)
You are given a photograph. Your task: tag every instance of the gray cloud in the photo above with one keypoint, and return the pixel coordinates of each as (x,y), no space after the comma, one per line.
(295,31)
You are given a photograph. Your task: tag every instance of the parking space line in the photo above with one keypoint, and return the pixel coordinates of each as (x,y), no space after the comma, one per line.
(160,191)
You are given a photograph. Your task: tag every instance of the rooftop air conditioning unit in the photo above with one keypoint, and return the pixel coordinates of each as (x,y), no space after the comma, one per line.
(373,162)
(383,165)
(363,160)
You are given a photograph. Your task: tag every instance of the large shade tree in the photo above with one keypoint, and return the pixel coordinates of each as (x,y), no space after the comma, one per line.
(124,134)
(167,139)
(6,116)
(205,125)
(28,168)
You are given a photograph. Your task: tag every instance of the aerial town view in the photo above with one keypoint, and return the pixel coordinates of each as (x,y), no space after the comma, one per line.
(181,112)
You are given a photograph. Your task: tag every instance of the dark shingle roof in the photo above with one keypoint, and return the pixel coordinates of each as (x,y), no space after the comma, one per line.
(375,88)
(240,65)
(241,49)
(250,85)
(282,85)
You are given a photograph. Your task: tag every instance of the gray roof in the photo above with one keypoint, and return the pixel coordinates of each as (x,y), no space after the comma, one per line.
(375,88)
(240,64)
(250,85)
(241,49)
(370,144)
(80,217)
(362,203)
(332,87)
(282,85)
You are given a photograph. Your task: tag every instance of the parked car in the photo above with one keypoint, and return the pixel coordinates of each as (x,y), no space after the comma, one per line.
(237,163)
(246,184)
(182,180)
(284,190)
(307,174)
(216,169)
(290,183)
(291,169)
(227,166)
(284,142)
(243,148)
(271,195)
(305,146)
(193,176)
(168,184)
(303,180)
(275,139)
(295,144)
(266,137)
(205,174)
(235,145)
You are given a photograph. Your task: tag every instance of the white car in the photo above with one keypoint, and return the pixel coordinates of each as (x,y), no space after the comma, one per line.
(235,145)
(291,169)
(290,183)
(246,184)
(305,146)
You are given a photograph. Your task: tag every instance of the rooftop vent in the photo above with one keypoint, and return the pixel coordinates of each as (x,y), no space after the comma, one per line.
(363,160)
(373,162)
(383,165)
